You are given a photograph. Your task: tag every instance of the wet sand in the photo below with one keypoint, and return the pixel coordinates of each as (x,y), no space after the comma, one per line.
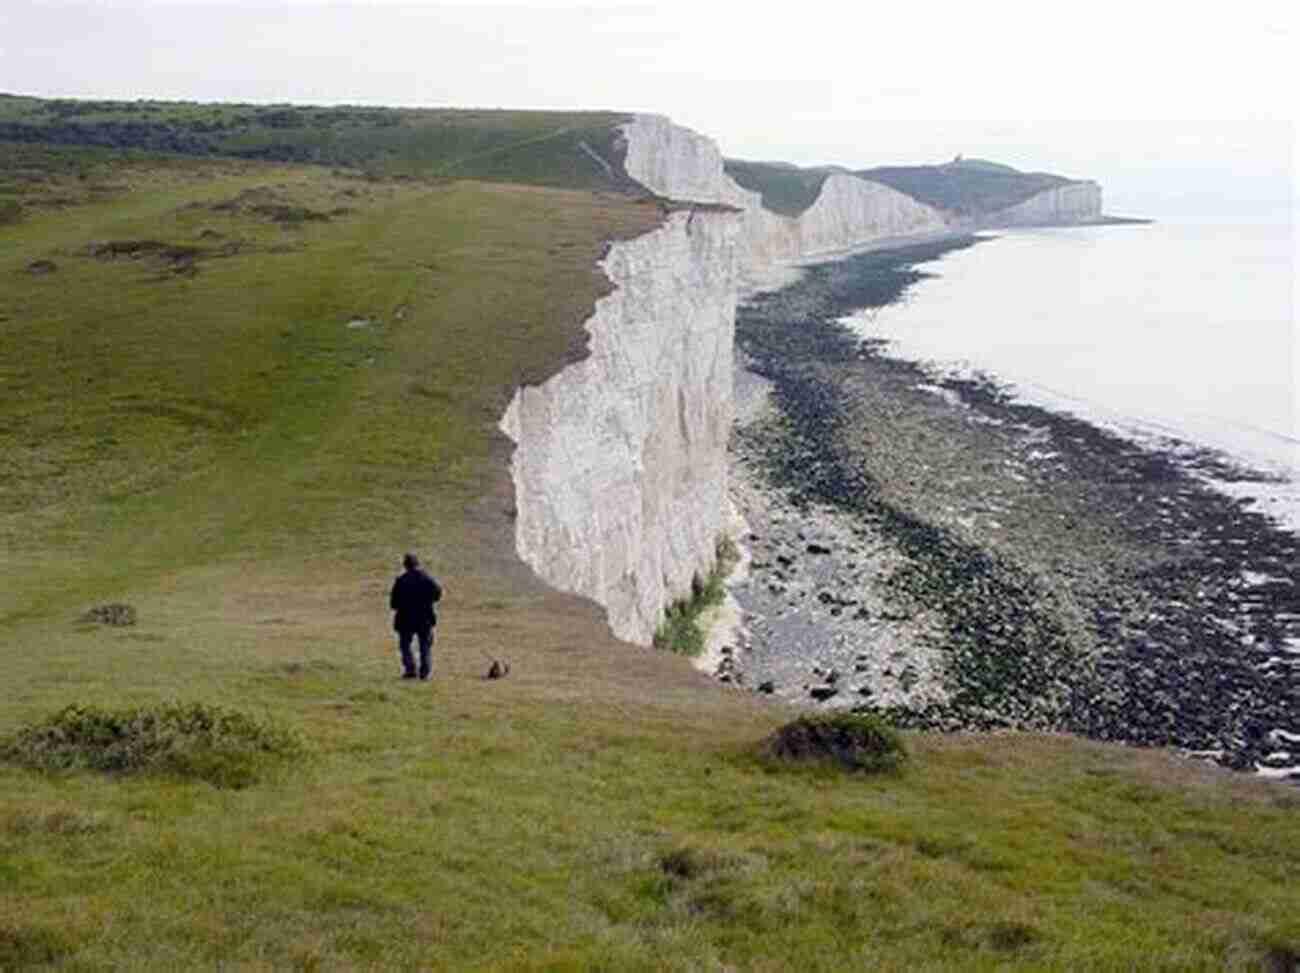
(932,549)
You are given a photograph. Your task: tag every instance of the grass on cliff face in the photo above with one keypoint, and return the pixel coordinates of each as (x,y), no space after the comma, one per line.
(682,629)
(226,454)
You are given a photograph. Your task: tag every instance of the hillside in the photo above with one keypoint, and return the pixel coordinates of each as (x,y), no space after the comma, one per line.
(785,189)
(235,390)
(966,188)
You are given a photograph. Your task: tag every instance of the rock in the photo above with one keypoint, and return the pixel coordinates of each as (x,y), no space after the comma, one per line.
(823,693)
(766,686)
(498,669)
(817,549)
(40,267)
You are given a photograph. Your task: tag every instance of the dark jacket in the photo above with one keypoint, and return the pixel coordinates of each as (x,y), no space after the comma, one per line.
(414,593)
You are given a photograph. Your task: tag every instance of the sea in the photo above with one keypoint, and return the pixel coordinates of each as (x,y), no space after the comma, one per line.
(1162,331)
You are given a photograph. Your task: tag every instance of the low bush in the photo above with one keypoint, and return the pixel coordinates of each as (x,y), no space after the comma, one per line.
(224,747)
(855,741)
(10,211)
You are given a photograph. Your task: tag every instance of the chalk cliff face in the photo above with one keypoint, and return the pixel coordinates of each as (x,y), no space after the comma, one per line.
(620,459)
(849,211)
(1076,202)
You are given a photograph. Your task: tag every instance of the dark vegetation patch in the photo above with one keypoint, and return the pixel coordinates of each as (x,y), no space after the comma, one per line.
(1281,959)
(221,746)
(40,268)
(114,613)
(687,862)
(853,741)
(179,259)
(265,202)
(23,947)
(11,211)
(785,189)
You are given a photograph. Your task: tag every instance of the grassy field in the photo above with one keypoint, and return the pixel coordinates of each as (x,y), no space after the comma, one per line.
(231,394)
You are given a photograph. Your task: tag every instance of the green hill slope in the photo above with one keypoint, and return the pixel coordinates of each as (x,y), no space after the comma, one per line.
(968,187)
(964,187)
(787,190)
(233,392)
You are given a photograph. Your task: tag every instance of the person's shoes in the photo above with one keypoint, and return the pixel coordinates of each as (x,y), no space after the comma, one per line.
(408,675)
(424,676)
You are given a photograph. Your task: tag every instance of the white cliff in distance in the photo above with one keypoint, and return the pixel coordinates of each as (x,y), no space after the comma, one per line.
(620,460)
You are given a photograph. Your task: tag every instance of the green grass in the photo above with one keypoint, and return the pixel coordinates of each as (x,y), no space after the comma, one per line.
(536,147)
(222,452)
(682,630)
(784,189)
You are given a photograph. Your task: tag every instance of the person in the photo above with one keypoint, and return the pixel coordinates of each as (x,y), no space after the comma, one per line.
(412,599)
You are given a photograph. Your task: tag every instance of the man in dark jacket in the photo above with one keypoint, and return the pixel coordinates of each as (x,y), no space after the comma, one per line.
(412,598)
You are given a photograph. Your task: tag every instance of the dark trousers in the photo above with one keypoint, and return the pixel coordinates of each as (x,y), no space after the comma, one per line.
(426,647)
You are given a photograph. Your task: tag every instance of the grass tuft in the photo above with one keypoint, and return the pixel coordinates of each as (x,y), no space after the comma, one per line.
(854,741)
(680,631)
(224,747)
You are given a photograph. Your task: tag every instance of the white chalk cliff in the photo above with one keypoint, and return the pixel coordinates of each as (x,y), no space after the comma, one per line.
(1075,202)
(620,460)
(849,211)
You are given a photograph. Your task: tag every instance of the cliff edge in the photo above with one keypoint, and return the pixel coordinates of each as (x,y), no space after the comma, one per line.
(620,464)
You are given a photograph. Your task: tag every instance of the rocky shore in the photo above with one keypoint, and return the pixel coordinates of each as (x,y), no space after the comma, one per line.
(930,548)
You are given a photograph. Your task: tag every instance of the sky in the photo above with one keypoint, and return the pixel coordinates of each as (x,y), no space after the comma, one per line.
(1179,110)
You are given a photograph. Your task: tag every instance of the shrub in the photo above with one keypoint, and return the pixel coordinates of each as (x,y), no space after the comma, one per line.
(223,747)
(855,741)
(10,211)
(114,613)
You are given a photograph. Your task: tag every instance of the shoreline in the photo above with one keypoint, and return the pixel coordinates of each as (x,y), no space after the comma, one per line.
(938,551)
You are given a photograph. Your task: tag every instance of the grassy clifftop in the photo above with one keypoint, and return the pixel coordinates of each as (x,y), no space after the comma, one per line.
(232,392)
(566,149)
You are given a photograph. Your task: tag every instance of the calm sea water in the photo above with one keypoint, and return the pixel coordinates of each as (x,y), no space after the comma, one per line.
(1160,331)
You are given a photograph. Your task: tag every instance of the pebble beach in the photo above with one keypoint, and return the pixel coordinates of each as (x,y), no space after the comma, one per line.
(930,548)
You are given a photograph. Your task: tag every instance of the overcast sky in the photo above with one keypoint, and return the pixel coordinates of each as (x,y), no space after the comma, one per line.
(1178,109)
